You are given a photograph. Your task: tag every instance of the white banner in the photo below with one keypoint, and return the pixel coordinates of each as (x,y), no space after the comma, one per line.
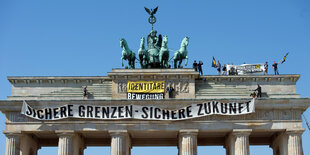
(245,69)
(138,111)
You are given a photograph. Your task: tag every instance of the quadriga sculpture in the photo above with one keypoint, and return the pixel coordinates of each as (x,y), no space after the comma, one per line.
(143,54)
(127,54)
(164,53)
(181,54)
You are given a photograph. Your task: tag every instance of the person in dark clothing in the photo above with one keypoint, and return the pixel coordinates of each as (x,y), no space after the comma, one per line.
(200,67)
(224,70)
(85,95)
(170,91)
(275,67)
(259,90)
(218,66)
(195,66)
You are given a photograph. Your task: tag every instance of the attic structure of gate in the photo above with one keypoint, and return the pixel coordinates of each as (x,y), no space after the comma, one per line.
(276,121)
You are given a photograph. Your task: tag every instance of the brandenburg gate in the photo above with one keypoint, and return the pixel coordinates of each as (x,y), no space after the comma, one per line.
(154,107)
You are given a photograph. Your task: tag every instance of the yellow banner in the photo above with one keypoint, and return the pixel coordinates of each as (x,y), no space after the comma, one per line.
(146,87)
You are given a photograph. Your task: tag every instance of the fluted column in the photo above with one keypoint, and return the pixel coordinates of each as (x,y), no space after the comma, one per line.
(238,142)
(12,146)
(65,143)
(188,142)
(120,142)
(288,142)
(294,141)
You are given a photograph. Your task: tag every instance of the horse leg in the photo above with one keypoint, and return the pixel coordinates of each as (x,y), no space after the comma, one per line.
(186,60)
(164,63)
(167,60)
(180,62)
(160,59)
(141,60)
(122,61)
(175,63)
(175,58)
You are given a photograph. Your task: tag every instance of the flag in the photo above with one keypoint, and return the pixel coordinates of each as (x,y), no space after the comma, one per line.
(213,63)
(283,60)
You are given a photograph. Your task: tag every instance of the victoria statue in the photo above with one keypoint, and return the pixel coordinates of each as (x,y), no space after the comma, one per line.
(157,53)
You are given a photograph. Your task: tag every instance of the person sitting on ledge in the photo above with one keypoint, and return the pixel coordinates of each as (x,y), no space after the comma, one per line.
(85,95)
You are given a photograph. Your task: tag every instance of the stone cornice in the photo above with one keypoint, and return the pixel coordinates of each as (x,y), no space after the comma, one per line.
(138,72)
(244,78)
(54,79)
(153,73)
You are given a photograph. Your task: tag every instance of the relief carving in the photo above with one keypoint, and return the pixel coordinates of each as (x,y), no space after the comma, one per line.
(285,115)
(122,87)
(17,117)
(180,86)
(184,86)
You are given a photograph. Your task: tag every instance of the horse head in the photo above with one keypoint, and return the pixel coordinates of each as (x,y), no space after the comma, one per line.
(165,41)
(185,42)
(123,43)
(142,43)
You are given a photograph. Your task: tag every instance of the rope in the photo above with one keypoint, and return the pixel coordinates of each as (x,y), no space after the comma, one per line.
(306,121)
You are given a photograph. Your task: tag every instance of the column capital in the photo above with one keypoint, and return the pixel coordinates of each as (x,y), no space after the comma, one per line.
(188,141)
(189,132)
(14,133)
(65,132)
(295,131)
(241,132)
(120,142)
(118,132)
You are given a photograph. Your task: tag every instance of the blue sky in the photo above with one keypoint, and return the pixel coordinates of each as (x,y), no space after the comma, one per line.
(81,38)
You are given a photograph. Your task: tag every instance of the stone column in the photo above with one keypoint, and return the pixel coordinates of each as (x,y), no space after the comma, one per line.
(78,145)
(294,141)
(288,143)
(120,142)
(12,146)
(188,142)
(70,143)
(29,145)
(65,143)
(238,142)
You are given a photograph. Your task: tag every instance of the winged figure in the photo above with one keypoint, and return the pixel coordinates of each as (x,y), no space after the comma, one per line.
(151,12)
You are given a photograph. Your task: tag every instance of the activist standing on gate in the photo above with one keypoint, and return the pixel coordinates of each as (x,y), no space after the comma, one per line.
(275,67)
(195,66)
(218,66)
(200,67)
(224,70)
